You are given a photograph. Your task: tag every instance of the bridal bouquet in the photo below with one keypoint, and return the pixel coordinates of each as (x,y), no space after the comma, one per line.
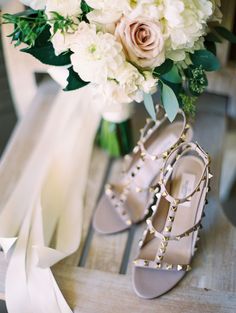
(128,49)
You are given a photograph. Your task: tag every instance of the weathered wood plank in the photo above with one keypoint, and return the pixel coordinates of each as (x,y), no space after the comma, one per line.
(98,292)
(106,252)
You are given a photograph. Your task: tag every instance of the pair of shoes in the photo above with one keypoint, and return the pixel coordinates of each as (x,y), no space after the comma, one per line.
(167,179)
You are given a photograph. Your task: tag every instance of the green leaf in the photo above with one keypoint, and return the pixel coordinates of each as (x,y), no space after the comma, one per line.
(149,105)
(74,81)
(211,46)
(213,38)
(43,51)
(226,34)
(164,68)
(170,102)
(206,59)
(173,76)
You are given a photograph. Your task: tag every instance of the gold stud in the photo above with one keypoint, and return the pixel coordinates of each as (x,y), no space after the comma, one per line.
(176,201)
(169,267)
(183,137)
(163,250)
(146,263)
(210,176)
(178,238)
(174,208)
(164,194)
(158,265)
(179,267)
(168,229)
(189,198)
(199,189)
(188,268)
(187,126)
(166,238)
(135,262)
(165,155)
(152,231)
(160,257)
(129,222)
(164,244)
(154,157)
(171,219)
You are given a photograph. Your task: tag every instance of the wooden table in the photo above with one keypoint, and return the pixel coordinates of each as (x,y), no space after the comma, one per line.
(97,278)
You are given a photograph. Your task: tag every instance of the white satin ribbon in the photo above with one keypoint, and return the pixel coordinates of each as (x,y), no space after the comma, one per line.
(44,200)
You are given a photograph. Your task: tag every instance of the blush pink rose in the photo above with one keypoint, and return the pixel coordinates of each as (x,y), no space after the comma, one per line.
(143,41)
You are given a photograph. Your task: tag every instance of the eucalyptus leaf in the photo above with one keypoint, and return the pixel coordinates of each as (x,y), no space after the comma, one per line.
(74,81)
(149,105)
(226,34)
(170,102)
(173,76)
(206,59)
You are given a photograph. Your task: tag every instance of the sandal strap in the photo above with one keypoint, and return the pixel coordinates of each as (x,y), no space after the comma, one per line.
(147,131)
(166,235)
(117,203)
(119,200)
(183,148)
(162,265)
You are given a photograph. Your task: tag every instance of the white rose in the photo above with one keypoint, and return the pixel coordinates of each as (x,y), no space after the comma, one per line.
(67,8)
(35,4)
(107,11)
(186,21)
(97,56)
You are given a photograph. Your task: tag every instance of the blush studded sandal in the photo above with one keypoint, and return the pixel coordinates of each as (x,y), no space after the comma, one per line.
(168,243)
(127,201)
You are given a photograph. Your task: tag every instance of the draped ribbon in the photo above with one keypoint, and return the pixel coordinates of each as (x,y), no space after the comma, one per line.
(43,176)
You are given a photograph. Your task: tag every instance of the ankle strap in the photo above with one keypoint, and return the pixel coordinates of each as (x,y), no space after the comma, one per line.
(150,128)
(168,168)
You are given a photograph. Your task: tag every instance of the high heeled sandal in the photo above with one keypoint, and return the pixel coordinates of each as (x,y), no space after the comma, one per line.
(169,242)
(127,201)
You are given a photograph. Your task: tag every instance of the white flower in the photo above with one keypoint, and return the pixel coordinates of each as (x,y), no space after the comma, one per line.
(107,11)
(126,87)
(149,85)
(217,14)
(35,4)
(67,8)
(62,41)
(148,8)
(97,56)
(186,21)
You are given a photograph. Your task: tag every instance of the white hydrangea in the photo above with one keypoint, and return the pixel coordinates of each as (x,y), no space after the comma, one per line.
(148,8)
(68,8)
(217,14)
(35,4)
(97,56)
(107,11)
(129,85)
(186,21)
